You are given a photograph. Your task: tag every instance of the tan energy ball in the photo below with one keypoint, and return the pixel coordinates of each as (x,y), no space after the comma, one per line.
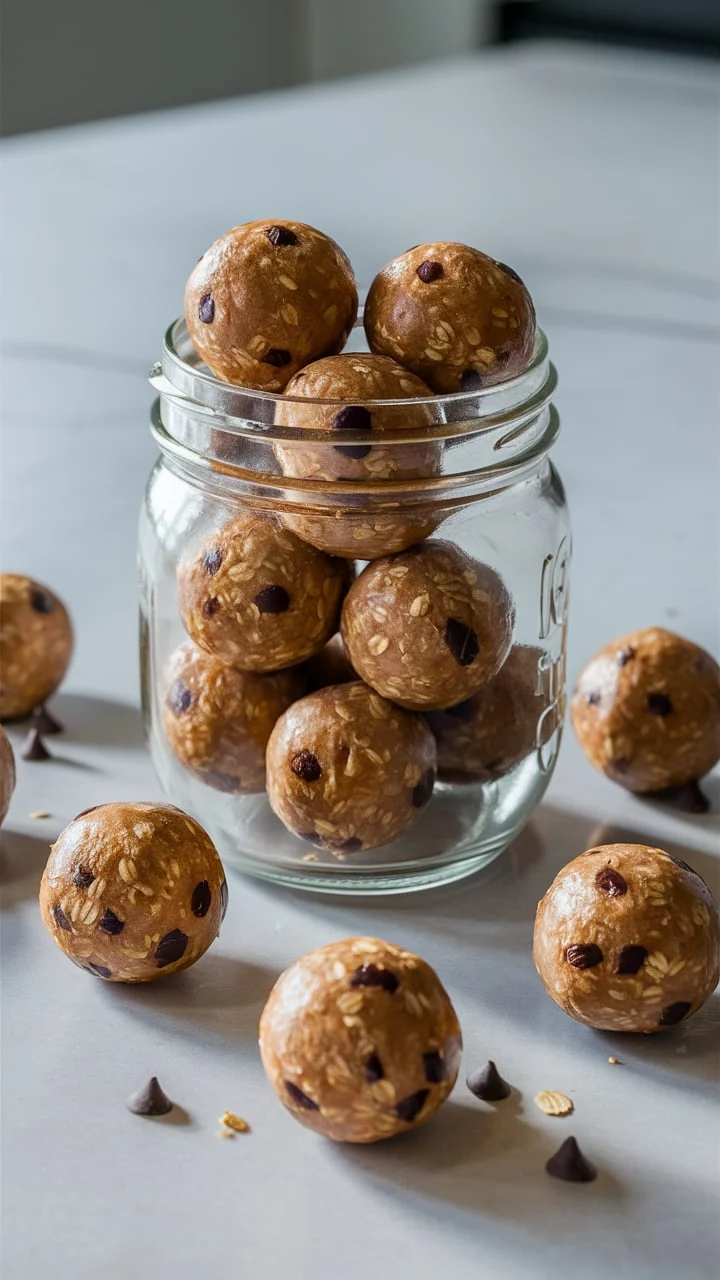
(7,774)
(427,628)
(452,315)
(218,719)
(360,1040)
(267,298)
(348,770)
(646,710)
(258,597)
(36,643)
(627,938)
(132,892)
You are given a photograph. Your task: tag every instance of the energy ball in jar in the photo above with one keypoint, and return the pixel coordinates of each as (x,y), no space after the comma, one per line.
(258,597)
(349,771)
(7,774)
(360,1040)
(455,317)
(133,892)
(267,298)
(218,719)
(427,628)
(627,938)
(646,711)
(36,644)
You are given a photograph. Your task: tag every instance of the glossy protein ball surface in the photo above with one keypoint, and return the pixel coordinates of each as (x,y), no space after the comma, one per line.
(646,710)
(427,628)
(360,1040)
(258,597)
(627,938)
(451,314)
(267,298)
(132,892)
(7,774)
(36,644)
(218,719)
(349,771)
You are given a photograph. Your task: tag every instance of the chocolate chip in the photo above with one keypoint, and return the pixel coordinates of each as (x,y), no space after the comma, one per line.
(281,236)
(659,704)
(470,380)
(45,722)
(462,642)
(611,882)
(674,1013)
(373,1069)
(409,1109)
(434,1067)
(509,271)
(686,798)
(61,919)
(424,789)
(277,357)
(210,607)
(150,1101)
(631,959)
(212,561)
(592,699)
(570,1165)
(488,1084)
(99,969)
(110,923)
(42,602)
(625,655)
(206,310)
(429,271)
(272,600)
(201,899)
(179,697)
(34,748)
(223,900)
(83,878)
(583,955)
(354,417)
(369,975)
(305,765)
(309,835)
(171,948)
(351,845)
(299,1098)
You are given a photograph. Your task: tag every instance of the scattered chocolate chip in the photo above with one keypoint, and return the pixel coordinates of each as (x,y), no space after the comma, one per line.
(35,748)
(212,561)
(150,1101)
(373,1069)
(206,310)
(583,955)
(409,1109)
(625,655)
(83,878)
(171,948)
(592,699)
(223,900)
(470,380)
(299,1098)
(429,271)
(369,975)
(45,722)
(611,882)
(510,272)
(272,600)
(61,919)
(201,899)
(210,607)
(687,798)
(354,417)
(674,1013)
(434,1067)
(179,697)
(277,357)
(41,602)
(462,642)
(281,236)
(100,969)
(110,923)
(570,1165)
(305,765)
(631,959)
(488,1085)
(659,704)
(424,789)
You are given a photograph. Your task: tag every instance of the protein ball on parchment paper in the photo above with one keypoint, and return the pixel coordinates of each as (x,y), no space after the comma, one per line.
(7,774)
(36,644)
(360,1040)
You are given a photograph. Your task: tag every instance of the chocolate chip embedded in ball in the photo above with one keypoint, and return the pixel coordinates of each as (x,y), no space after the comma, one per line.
(626,939)
(360,1062)
(267,298)
(452,315)
(429,627)
(349,767)
(36,643)
(132,892)
(646,711)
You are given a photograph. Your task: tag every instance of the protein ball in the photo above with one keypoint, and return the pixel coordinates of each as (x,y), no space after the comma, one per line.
(348,770)
(360,1040)
(267,298)
(454,316)
(627,938)
(7,774)
(132,892)
(36,643)
(485,736)
(258,597)
(218,719)
(646,710)
(427,628)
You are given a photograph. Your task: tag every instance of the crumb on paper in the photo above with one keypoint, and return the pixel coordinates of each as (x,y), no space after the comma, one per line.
(615,1062)
(235,1123)
(40,813)
(553,1103)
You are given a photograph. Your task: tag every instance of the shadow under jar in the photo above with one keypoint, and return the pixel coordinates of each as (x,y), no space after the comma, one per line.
(440,538)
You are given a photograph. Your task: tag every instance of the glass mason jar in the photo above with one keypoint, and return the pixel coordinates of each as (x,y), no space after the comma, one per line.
(469,472)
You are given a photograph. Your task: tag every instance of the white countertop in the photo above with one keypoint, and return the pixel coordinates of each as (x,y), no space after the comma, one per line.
(595,174)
